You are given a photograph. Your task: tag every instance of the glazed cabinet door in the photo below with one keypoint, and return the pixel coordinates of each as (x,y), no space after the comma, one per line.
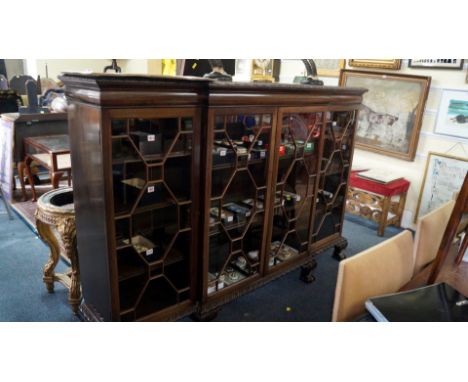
(153,161)
(239,164)
(295,177)
(334,172)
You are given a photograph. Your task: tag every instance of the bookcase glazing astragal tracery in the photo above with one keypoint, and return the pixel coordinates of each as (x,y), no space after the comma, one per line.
(189,192)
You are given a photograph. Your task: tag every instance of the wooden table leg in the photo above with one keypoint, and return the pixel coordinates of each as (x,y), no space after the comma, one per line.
(401,206)
(55,178)
(383,218)
(49,238)
(21,166)
(27,166)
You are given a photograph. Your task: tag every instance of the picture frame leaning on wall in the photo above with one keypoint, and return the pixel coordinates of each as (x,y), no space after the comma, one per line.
(391,116)
(443,177)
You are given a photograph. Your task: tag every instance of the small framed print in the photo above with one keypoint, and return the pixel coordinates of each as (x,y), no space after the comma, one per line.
(436,63)
(329,67)
(443,177)
(392,63)
(452,116)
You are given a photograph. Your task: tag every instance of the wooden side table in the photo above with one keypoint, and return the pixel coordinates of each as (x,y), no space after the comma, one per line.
(51,152)
(381,203)
(55,221)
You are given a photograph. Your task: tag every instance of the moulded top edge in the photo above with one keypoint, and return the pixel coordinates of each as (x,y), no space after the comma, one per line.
(104,80)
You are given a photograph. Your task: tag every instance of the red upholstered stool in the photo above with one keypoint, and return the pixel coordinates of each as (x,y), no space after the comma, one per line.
(382,203)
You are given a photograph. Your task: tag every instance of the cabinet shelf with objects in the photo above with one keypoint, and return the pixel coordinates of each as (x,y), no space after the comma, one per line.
(191,192)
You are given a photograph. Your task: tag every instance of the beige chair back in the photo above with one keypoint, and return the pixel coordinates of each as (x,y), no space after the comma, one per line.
(429,232)
(382,269)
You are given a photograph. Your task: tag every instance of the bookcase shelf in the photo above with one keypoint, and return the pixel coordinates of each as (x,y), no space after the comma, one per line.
(190,192)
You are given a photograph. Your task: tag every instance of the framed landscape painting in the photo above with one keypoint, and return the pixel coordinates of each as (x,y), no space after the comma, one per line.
(443,178)
(390,119)
(452,117)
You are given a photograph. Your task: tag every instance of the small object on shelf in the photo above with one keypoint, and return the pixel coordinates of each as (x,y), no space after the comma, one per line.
(259,153)
(253,255)
(327,194)
(145,247)
(135,182)
(282,151)
(289,148)
(147,143)
(233,277)
(225,216)
(215,283)
(289,196)
(275,245)
(241,262)
(278,201)
(251,203)
(287,252)
(241,150)
(309,147)
(222,155)
(241,213)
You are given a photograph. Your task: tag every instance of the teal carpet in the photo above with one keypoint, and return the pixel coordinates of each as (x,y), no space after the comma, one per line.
(23,296)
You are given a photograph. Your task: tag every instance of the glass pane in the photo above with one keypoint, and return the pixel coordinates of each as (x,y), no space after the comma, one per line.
(296,179)
(152,186)
(241,144)
(335,168)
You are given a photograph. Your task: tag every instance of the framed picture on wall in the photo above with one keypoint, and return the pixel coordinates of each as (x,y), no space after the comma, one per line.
(390,119)
(329,67)
(452,116)
(443,177)
(436,63)
(392,63)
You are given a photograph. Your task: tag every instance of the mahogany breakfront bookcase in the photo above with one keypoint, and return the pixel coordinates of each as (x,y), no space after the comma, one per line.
(190,192)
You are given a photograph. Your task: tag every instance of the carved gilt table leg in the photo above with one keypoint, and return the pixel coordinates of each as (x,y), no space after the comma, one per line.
(48,237)
(55,221)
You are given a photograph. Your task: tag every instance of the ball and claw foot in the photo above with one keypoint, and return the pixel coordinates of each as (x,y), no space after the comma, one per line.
(339,252)
(307,272)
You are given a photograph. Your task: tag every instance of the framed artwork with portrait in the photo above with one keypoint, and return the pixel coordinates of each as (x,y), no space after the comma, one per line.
(391,63)
(391,116)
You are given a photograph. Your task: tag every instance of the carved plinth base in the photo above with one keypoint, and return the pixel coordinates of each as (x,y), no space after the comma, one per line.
(205,316)
(56,227)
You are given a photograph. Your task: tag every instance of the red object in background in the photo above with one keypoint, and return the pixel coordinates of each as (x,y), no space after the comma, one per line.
(389,189)
(282,150)
(316,132)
